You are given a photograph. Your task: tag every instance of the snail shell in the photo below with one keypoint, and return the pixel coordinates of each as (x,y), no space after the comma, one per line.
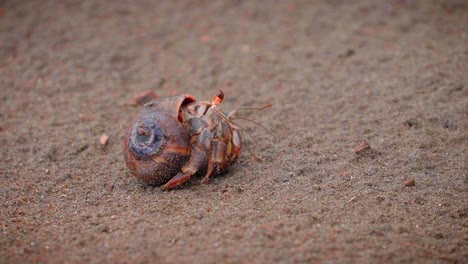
(157,145)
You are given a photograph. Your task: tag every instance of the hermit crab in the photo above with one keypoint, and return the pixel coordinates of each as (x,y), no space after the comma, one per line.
(173,138)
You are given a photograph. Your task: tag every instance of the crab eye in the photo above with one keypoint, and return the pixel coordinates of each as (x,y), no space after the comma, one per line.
(146,138)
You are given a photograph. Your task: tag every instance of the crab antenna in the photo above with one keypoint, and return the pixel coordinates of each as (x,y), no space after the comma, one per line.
(248,109)
(255,157)
(218,98)
(258,124)
(242,131)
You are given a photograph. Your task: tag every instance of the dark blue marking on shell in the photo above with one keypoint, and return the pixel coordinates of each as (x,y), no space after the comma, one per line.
(146,138)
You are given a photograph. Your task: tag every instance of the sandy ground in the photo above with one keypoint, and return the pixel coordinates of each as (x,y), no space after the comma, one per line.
(392,73)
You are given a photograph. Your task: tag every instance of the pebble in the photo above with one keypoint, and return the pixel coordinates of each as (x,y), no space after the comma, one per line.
(103,228)
(143,98)
(362,147)
(200,215)
(104,139)
(410,182)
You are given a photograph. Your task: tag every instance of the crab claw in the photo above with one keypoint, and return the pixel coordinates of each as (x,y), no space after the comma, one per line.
(177,180)
(218,98)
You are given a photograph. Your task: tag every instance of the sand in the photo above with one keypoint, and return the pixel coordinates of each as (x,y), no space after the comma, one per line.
(391,73)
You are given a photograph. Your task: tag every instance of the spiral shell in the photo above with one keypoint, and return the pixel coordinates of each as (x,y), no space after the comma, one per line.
(157,145)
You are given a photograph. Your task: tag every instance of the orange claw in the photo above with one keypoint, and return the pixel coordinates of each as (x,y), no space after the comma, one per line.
(218,98)
(177,180)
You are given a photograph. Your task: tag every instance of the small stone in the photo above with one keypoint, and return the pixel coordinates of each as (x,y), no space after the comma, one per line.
(372,170)
(143,98)
(409,183)
(362,147)
(103,228)
(205,39)
(348,53)
(413,123)
(81,116)
(104,139)
(200,215)
(402,230)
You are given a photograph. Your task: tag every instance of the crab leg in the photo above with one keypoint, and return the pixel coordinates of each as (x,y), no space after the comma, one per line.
(197,159)
(217,159)
(201,138)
